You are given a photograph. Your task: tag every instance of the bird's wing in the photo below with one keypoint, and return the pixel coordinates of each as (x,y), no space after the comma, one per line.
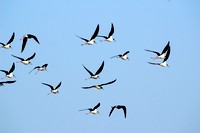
(18,57)
(111,110)
(83,38)
(24,43)
(166,47)
(95,107)
(88,71)
(124,109)
(58,85)
(34,37)
(12,68)
(34,68)
(153,63)
(88,87)
(126,53)
(45,65)
(11,39)
(103,37)
(31,57)
(111,31)
(100,68)
(167,54)
(6,72)
(108,83)
(114,56)
(95,33)
(85,109)
(9,82)
(2,44)
(153,52)
(48,85)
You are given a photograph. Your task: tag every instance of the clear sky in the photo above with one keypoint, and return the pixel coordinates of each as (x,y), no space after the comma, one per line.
(158,100)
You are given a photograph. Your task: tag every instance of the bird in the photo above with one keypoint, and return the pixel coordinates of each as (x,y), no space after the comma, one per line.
(25,38)
(40,68)
(164,63)
(122,56)
(92,110)
(108,38)
(9,74)
(96,75)
(7,82)
(25,61)
(160,55)
(99,86)
(91,41)
(53,90)
(118,107)
(7,45)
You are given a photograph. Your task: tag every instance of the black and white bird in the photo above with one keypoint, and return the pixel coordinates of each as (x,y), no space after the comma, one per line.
(109,38)
(25,61)
(40,68)
(91,41)
(118,107)
(164,63)
(92,110)
(7,82)
(160,55)
(122,56)
(9,74)
(53,90)
(7,45)
(95,75)
(99,86)
(25,38)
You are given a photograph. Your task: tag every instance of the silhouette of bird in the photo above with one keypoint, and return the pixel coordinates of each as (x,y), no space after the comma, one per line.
(91,41)
(160,55)
(53,90)
(25,61)
(7,45)
(122,56)
(7,82)
(99,86)
(9,74)
(25,38)
(164,63)
(96,75)
(40,68)
(118,107)
(92,110)
(109,38)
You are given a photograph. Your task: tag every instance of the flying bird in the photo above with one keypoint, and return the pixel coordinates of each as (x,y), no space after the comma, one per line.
(122,56)
(7,82)
(99,86)
(25,38)
(53,90)
(40,68)
(109,38)
(92,110)
(96,75)
(118,107)
(91,41)
(25,61)
(160,55)
(7,45)
(9,74)
(164,63)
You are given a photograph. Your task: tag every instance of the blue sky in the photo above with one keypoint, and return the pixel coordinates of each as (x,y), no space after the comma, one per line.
(158,100)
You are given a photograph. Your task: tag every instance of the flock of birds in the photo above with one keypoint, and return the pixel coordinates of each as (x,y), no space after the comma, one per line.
(9,74)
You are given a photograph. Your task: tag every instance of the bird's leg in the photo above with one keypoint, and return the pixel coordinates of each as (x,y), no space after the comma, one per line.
(84,44)
(88,78)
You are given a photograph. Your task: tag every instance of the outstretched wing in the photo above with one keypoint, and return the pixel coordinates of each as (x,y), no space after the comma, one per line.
(167,54)
(48,85)
(24,43)
(111,31)
(91,74)
(103,37)
(18,57)
(31,57)
(12,68)
(88,87)
(111,110)
(124,109)
(58,85)
(126,53)
(34,68)
(108,83)
(95,107)
(153,63)
(100,68)
(153,52)
(83,38)
(166,47)
(45,65)
(11,39)
(95,33)
(34,37)
(6,72)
